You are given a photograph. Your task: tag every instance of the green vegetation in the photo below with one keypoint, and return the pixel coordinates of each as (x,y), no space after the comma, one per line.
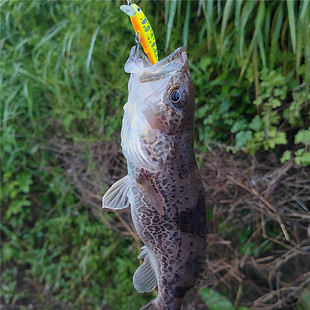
(62,79)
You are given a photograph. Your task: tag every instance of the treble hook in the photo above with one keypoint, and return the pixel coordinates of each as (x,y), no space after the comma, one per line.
(138,37)
(129,2)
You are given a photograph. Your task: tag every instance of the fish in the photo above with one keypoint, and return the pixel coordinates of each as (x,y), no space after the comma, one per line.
(143,30)
(163,187)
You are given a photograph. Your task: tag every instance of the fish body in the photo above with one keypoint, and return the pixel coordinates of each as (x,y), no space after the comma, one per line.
(144,29)
(163,186)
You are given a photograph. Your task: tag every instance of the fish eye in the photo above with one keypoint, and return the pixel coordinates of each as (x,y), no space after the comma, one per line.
(178,97)
(138,9)
(175,96)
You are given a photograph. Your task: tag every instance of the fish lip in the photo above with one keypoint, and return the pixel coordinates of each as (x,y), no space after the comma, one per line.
(129,10)
(164,67)
(168,59)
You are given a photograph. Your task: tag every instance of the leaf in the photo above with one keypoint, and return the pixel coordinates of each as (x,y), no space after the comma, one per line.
(239,125)
(256,123)
(216,301)
(24,181)
(17,207)
(304,299)
(303,136)
(286,156)
(242,137)
(224,107)
(274,103)
(302,157)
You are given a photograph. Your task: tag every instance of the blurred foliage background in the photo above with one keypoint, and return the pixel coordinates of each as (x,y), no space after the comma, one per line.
(62,79)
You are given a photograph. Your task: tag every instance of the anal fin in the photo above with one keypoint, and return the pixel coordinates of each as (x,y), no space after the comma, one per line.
(116,196)
(145,279)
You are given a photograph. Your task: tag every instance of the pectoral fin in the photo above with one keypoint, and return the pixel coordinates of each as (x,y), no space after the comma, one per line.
(117,195)
(151,197)
(144,279)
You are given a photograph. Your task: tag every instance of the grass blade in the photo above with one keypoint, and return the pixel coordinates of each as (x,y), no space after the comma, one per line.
(51,34)
(246,13)
(275,33)
(237,22)
(260,43)
(258,35)
(172,10)
(91,47)
(186,23)
(167,5)
(227,11)
(208,14)
(304,10)
(267,23)
(291,20)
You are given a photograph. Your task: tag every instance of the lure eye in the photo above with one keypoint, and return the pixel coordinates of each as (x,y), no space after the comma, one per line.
(138,9)
(178,97)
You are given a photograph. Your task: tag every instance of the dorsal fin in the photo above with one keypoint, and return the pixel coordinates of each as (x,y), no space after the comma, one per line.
(117,195)
(145,279)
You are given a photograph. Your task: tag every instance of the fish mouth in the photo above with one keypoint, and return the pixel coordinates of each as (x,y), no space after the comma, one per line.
(165,67)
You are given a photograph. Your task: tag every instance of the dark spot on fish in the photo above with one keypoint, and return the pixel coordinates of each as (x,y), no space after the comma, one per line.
(147,28)
(153,44)
(170,251)
(169,226)
(144,21)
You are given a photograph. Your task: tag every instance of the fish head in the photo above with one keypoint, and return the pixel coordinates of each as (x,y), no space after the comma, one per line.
(162,94)
(160,105)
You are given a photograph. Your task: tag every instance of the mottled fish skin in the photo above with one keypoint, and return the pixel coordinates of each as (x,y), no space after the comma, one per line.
(165,191)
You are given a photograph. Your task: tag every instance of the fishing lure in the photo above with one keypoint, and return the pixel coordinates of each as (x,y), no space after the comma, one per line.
(144,31)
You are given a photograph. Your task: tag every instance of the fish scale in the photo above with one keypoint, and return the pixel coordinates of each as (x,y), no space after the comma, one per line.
(163,189)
